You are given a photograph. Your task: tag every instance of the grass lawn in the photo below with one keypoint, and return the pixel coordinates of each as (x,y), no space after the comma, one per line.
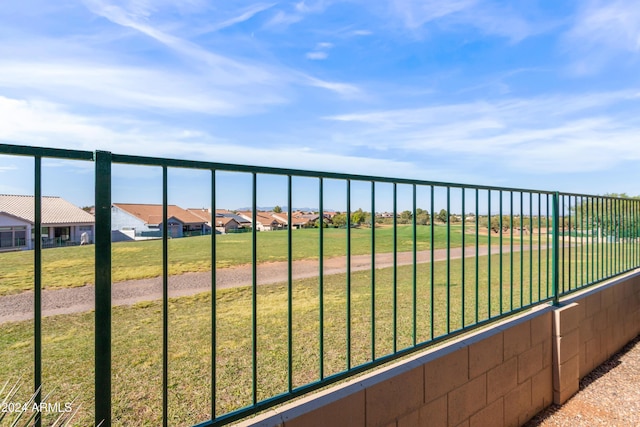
(137,337)
(74,266)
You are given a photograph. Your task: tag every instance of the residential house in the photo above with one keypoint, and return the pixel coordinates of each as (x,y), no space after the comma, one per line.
(297,220)
(62,222)
(228,214)
(134,221)
(265,221)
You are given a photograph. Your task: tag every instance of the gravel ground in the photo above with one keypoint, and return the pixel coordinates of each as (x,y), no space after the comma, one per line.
(74,300)
(608,396)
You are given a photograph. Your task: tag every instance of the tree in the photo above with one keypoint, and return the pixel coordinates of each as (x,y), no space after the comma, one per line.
(422,217)
(277,209)
(443,216)
(405,217)
(358,217)
(339,220)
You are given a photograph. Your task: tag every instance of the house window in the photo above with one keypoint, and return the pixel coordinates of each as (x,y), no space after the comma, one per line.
(62,233)
(13,237)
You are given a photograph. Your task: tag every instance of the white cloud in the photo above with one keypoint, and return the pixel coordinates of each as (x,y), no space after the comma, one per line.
(223,70)
(486,16)
(545,134)
(317,55)
(249,13)
(603,32)
(45,124)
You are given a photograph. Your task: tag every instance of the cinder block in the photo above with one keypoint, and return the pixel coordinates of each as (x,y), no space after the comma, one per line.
(491,416)
(446,373)
(566,319)
(529,363)
(607,296)
(411,420)
(593,302)
(485,354)
(566,379)
(502,379)
(567,346)
(435,413)
(587,330)
(517,339)
(582,311)
(467,400)
(347,411)
(547,353)
(600,321)
(517,404)
(394,397)
(562,396)
(541,328)
(542,389)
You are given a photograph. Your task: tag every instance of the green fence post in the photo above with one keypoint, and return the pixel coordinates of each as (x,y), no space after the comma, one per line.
(37,285)
(103,289)
(555,248)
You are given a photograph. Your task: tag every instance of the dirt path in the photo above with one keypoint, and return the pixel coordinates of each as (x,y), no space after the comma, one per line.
(75,300)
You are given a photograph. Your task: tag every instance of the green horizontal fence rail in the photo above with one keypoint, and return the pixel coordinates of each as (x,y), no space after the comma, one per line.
(485,253)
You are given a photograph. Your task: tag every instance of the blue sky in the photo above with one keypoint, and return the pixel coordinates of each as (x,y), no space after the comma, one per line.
(534,94)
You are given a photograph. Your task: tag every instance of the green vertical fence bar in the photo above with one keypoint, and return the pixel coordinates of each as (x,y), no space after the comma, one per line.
(562,255)
(530,248)
(321,275)
(500,243)
(395,267)
(165,299)
(539,212)
(214,287)
(569,260)
(511,250)
(102,378)
(415,267)
(556,249)
(373,270)
(547,242)
(289,283)
(448,260)
(489,254)
(37,286)
(348,320)
(431,263)
(462,284)
(521,250)
(254,289)
(477,251)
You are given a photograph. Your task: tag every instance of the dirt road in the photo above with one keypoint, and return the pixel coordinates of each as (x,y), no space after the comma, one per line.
(74,300)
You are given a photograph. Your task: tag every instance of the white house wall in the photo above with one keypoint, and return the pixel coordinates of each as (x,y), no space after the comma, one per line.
(121,220)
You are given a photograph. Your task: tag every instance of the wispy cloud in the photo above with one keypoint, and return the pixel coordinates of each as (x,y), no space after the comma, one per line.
(244,16)
(45,124)
(603,31)
(416,13)
(317,55)
(219,68)
(320,52)
(534,135)
(486,16)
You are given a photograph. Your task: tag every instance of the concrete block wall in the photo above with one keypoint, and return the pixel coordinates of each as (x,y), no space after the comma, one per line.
(608,317)
(500,376)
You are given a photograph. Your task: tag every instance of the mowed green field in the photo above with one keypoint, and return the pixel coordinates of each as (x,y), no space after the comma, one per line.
(137,337)
(74,266)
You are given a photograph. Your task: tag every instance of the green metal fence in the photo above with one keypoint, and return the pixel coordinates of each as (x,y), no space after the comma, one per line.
(463,257)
